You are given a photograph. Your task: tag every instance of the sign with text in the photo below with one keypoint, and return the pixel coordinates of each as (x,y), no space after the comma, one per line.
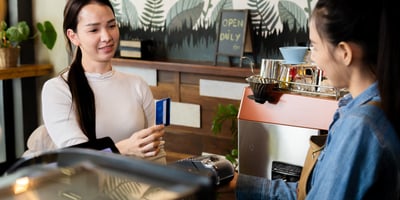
(233,34)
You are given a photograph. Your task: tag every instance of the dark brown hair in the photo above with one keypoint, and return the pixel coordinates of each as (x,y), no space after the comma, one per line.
(371,24)
(82,95)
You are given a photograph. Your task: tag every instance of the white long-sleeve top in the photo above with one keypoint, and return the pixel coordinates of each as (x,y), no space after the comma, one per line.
(124,105)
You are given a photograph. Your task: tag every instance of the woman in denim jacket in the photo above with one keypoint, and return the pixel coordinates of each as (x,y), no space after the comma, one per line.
(355,44)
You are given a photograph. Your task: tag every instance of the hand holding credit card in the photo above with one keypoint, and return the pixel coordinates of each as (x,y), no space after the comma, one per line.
(163,111)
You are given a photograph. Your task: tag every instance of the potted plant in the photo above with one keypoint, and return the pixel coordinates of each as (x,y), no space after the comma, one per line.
(12,36)
(228,113)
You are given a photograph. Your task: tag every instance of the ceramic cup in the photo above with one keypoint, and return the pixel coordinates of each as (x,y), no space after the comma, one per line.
(293,54)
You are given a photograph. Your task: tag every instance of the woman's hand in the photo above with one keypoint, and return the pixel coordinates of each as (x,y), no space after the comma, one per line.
(229,187)
(144,143)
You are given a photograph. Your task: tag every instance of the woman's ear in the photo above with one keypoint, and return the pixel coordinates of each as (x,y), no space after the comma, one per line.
(345,53)
(73,37)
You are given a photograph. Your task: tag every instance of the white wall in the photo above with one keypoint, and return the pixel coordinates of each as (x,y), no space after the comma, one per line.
(52,11)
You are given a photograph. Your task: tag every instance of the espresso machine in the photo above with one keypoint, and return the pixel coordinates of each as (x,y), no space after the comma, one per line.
(279,111)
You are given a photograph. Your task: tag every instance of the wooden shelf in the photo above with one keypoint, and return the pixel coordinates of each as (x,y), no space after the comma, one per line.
(187,67)
(27,103)
(25,70)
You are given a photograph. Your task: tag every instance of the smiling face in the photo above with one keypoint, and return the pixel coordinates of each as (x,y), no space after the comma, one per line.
(97,34)
(328,57)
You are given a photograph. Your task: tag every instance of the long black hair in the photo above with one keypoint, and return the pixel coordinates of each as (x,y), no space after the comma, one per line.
(371,24)
(82,95)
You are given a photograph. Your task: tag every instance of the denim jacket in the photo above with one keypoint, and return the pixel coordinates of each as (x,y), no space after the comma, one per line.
(361,159)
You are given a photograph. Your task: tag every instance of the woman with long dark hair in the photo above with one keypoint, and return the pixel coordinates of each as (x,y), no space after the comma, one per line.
(356,45)
(90,99)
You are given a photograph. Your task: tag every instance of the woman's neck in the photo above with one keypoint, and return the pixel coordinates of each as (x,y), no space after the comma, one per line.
(360,81)
(96,66)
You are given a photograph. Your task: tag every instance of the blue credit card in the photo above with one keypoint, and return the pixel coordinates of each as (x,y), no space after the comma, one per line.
(163,107)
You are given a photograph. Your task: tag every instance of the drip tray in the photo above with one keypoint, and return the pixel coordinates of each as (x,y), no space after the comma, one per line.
(285,171)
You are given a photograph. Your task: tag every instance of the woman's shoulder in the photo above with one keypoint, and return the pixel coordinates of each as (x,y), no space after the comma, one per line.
(366,110)
(370,110)
(58,79)
(56,83)
(371,117)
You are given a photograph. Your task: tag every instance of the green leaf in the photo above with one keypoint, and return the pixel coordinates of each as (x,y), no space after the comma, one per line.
(233,157)
(23,30)
(228,112)
(48,34)
(18,33)
(3,26)
(235,153)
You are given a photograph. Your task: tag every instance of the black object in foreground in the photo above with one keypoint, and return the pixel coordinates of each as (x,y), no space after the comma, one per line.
(218,168)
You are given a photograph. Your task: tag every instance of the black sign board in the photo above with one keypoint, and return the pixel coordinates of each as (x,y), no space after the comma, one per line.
(234,37)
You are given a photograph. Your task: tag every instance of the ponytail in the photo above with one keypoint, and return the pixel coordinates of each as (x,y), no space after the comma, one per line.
(82,97)
(388,65)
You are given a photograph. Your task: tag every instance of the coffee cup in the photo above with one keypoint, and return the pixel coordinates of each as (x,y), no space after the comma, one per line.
(270,69)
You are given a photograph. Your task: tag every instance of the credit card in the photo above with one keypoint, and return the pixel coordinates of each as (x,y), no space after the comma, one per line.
(163,111)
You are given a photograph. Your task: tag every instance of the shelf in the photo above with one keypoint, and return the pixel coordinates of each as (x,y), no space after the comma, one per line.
(19,110)
(187,67)
(25,70)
